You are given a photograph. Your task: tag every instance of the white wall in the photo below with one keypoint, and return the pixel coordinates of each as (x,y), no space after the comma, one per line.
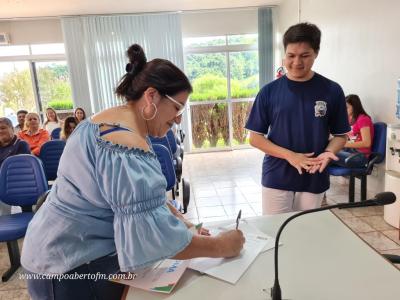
(359,50)
(360,46)
(288,14)
(41,31)
(220,22)
(194,24)
(200,23)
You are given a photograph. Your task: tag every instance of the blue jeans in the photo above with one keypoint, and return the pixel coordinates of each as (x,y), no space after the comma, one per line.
(356,162)
(80,289)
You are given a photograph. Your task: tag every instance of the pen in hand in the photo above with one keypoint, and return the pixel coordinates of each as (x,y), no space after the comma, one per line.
(238,219)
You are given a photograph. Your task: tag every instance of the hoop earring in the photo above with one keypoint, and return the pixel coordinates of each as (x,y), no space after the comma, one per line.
(153,116)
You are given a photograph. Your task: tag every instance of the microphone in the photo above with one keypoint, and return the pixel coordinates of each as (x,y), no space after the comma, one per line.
(379,199)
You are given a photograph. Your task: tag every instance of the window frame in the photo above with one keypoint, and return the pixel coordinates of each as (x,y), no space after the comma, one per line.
(32,59)
(227,50)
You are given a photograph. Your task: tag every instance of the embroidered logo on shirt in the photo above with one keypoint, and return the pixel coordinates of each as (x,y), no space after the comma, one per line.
(320,108)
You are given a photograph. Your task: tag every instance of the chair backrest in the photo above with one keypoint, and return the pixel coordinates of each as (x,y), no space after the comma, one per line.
(379,142)
(22,180)
(172,141)
(161,141)
(182,134)
(167,167)
(25,146)
(50,154)
(55,134)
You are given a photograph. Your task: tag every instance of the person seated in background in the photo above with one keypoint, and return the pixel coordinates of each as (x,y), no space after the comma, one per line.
(360,137)
(79,114)
(69,125)
(33,134)
(52,121)
(21,120)
(10,145)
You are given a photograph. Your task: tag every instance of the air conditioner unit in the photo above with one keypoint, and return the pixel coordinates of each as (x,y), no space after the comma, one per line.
(4,38)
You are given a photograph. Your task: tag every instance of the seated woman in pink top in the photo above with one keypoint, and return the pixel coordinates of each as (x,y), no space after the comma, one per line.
(361,135)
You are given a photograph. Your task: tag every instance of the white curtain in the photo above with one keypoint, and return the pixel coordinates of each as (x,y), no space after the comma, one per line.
(96,46)
(73,37)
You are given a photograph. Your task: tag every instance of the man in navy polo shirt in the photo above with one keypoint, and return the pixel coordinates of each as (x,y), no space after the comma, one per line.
(291,120)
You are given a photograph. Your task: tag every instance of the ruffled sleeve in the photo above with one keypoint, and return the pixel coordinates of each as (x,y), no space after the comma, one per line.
(134,187)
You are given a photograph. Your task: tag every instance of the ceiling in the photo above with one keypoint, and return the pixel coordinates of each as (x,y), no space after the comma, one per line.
(11,9)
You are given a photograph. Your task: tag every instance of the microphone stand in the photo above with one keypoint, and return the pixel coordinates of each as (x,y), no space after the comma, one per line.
(276,293)
(276,289)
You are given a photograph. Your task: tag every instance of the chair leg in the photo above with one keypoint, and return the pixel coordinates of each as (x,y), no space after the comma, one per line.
(351,189)
(13,253)
(177,188)
(173,193)
(363,187)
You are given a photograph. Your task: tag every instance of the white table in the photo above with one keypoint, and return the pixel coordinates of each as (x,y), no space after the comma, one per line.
(320,259)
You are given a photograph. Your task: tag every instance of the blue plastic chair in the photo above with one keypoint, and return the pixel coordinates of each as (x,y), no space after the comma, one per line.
(22,181)
(55,134)
(377,156)
(177,164)
(177,148)
(164,157)
(177,161)
(50,154)
(170,143)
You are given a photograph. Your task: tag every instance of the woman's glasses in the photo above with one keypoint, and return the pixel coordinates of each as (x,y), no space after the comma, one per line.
(181,106)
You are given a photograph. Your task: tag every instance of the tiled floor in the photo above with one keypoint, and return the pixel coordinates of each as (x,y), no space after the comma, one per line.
(224,182)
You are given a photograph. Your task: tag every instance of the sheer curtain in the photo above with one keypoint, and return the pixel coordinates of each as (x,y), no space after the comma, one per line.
(96,46)
(265,45)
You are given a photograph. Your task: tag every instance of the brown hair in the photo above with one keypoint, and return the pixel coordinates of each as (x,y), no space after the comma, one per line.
(355,103)
(47,118)
(160,74)
(81,109)
(66,129)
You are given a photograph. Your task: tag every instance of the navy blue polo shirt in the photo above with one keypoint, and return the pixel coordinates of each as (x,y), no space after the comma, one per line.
(298,116)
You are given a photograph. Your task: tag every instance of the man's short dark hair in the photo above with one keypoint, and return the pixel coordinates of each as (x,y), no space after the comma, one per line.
(22,111)
(303,33)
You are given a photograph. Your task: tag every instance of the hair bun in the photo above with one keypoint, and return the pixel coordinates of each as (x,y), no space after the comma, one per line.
(130,68)
(137,59)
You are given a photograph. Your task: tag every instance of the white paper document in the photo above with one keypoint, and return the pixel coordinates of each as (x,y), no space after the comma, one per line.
(231,269)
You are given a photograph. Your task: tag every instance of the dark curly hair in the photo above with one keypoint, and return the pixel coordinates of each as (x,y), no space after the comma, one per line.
(159,74)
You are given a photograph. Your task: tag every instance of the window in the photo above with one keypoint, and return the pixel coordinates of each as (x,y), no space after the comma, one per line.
(47,49)
(208,74)
(224,73)
(34,49)
(16,89)
(33,77)
(204,41)
(14,50)
(243,39)
(54,86)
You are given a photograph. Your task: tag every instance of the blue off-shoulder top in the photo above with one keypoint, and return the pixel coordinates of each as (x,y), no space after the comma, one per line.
(107,199)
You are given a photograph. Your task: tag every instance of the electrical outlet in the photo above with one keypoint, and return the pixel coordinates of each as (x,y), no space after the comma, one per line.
(374,172)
